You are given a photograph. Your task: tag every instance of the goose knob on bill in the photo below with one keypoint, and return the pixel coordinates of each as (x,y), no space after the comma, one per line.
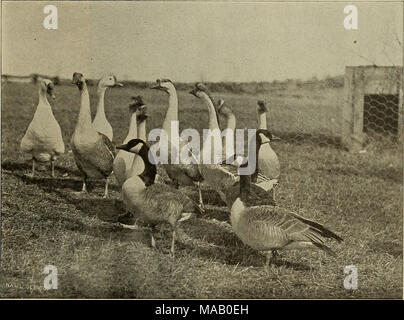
(93,151)
(43,138)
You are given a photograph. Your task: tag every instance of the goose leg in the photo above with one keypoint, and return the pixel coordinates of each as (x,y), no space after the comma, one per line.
(33,167)
(106,189)
(84,188)
(271,257)
(173,242)
(153,241)
(53,168)
(201,204)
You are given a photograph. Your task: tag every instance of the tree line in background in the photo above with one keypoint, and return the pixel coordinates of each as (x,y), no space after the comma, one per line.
(236,87)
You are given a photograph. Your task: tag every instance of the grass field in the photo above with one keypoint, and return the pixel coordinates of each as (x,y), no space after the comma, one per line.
(359,196)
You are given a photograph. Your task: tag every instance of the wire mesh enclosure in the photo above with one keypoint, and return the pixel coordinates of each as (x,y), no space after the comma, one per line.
(373,106)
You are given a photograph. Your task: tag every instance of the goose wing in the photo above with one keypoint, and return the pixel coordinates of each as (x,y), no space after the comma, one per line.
(108,144)
(276,224)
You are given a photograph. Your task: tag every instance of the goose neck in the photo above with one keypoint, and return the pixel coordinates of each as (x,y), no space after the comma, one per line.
(149,169)
(43,99)
(142,130)
(213,120)
(262,120)
(132,132)
(101,95)
(231,122)
(172,111)
(85,112)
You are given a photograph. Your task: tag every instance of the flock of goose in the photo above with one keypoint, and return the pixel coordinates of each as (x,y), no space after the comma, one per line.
(254,215)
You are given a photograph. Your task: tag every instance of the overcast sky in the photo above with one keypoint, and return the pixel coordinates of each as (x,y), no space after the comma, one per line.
(199,41)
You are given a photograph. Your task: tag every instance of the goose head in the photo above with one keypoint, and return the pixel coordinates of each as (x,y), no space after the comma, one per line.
(109,81)
(265,136)
(48,87)
(201,91)
(78,80)
(164,85)
(137,104)
(261,107)
(133,146)
(223,109)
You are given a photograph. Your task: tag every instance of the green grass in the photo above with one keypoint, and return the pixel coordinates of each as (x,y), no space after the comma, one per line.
(359,196)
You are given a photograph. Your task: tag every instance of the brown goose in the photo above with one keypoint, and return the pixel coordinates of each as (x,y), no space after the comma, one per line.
(269,228)
(268,161)
(154,203)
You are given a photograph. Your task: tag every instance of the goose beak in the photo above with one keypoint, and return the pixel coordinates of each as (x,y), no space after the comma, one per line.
(122,147)
(193,92)
(157,87)
(118,84)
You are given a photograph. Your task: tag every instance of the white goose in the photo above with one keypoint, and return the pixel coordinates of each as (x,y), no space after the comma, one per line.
(123,161)
(223,177)
(180,174)
(43,138)
(269,228)
(268,162)
(92,150)
(100,122)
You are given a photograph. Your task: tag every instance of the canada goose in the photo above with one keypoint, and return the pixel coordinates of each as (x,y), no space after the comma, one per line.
(123,161)
(154,203)
(222,177)
(271,228)
(268,161)
(180,174)
(43,138)
(92,150)
(100,122)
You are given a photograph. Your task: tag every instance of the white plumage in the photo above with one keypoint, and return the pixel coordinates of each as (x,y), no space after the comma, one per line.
(100,122)
(43,138)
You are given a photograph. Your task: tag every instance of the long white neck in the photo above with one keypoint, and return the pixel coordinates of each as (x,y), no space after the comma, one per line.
(141,133)
(172,111)
(262,120)
(43,99)
(100,106)
(213,123)
(231,122)
(228,148)
(85,112)
(132,133)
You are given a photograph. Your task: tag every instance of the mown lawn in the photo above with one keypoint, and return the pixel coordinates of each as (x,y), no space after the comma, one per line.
(359,196)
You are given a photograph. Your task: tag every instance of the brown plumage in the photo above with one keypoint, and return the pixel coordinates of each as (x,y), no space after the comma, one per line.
(269,228)
(152,202)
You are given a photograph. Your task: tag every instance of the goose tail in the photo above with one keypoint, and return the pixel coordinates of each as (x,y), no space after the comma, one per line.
(323,231)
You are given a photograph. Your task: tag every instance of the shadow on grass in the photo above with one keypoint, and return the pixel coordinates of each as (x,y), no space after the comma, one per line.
(45,168)
(225,247)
